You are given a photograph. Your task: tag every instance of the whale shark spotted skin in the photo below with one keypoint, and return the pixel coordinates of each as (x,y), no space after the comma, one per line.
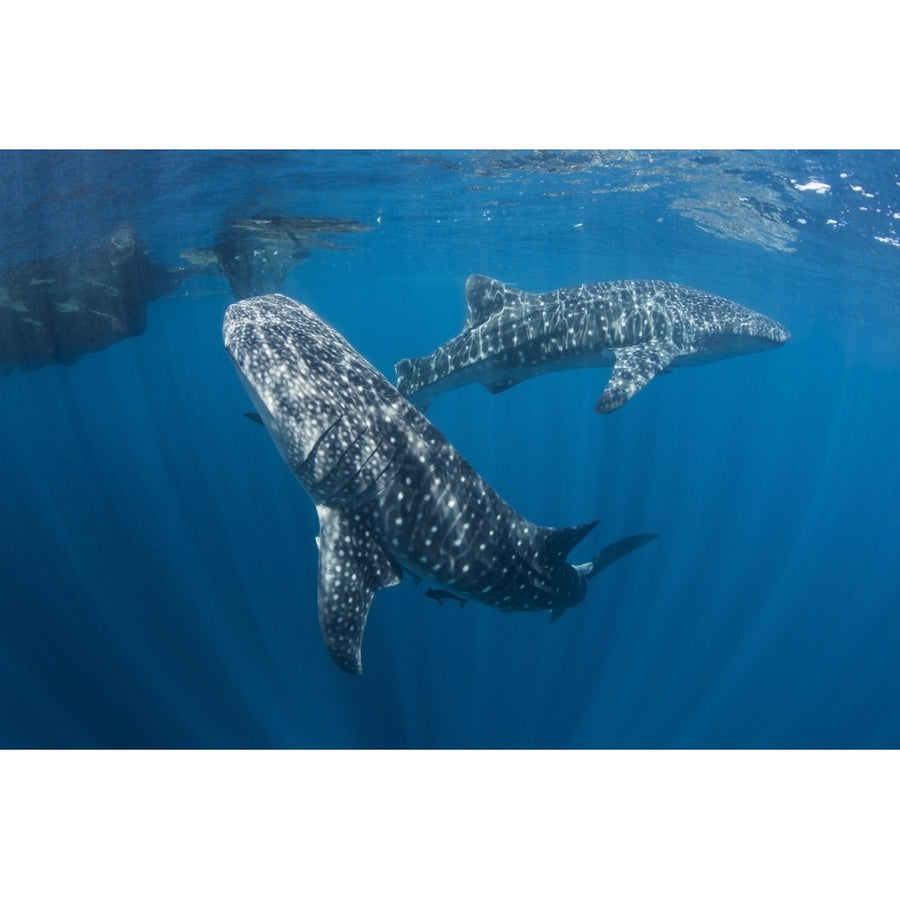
(640,328)
(391,492)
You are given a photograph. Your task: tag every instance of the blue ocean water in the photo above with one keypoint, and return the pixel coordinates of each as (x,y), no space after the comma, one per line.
(158,560)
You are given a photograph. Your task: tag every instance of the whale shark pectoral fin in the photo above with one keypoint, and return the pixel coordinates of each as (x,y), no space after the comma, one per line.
(634,367)
(353,566)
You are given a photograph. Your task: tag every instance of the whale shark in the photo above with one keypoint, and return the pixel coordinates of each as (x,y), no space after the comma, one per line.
(640,328)
(84,299)
(392,494)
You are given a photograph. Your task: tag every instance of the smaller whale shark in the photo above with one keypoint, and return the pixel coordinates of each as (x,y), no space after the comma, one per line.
(640,328)
(392,494)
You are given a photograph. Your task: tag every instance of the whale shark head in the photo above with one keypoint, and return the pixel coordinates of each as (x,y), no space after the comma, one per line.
(734,331)
(306,383)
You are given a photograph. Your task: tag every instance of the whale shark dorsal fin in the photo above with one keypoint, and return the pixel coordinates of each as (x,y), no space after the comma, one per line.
(486,296)
(561,541)
(353,566)
(634,367)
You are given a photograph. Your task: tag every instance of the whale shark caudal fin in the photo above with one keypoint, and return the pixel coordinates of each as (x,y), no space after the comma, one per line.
(612,552)
(606,557)
(353,566)
(634,367)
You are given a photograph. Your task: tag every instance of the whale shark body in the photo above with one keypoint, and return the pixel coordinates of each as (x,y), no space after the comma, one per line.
(640,328)
(391,492)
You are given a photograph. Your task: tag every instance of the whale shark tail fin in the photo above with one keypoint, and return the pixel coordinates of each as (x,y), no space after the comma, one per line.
(606,557)
(612,552)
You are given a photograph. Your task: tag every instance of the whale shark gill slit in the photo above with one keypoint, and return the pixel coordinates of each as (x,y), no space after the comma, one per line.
(311,456)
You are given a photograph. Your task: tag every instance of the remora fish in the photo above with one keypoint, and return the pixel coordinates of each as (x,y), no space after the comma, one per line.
(392,494)
(640,328)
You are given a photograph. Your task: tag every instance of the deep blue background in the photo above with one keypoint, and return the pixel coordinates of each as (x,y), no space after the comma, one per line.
(157,559)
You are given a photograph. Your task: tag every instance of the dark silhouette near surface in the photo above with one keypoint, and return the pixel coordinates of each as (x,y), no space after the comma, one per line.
(56,309)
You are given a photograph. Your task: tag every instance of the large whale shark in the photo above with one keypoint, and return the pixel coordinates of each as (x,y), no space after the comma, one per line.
(391,492)
(640,328)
